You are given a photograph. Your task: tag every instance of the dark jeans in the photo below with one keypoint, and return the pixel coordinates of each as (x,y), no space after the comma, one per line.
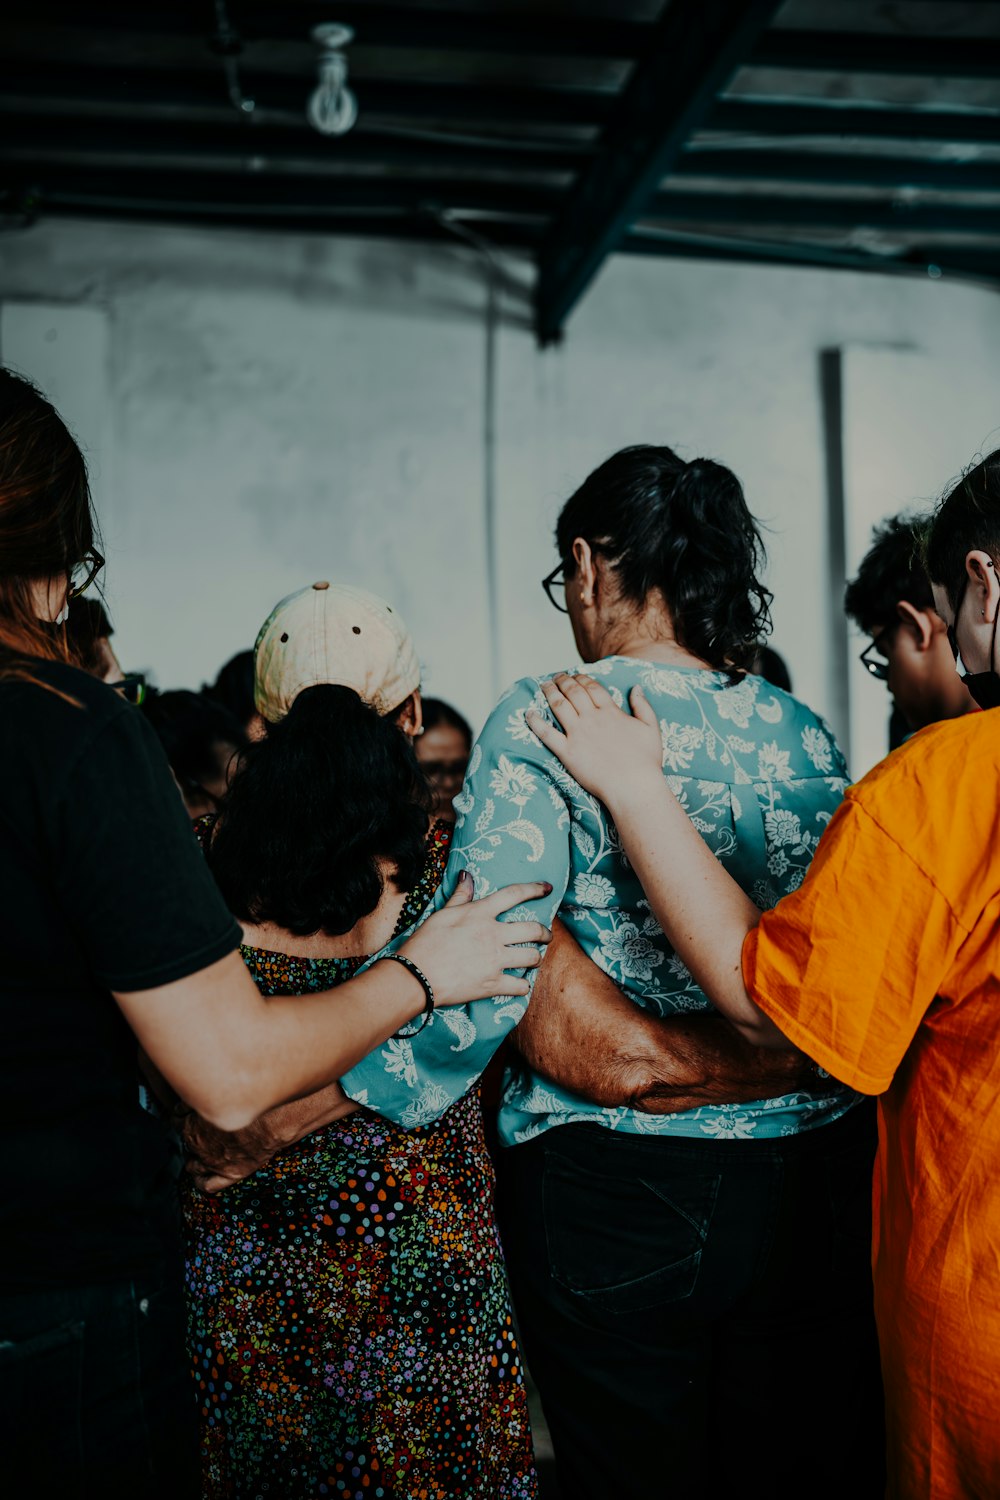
(96,1399)
(698,1314)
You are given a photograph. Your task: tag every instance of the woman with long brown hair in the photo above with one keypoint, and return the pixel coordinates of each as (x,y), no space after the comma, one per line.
(113,933)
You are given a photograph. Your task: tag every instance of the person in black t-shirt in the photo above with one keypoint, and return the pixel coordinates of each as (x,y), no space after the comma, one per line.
(112,932)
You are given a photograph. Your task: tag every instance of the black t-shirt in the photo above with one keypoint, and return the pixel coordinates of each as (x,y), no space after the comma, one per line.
(102,887)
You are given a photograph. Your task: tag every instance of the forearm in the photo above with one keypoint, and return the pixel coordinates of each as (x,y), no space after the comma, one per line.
(253,1054)
(288,1123)
(584,1034)
(683,1062)
(700,907)
(218,1158)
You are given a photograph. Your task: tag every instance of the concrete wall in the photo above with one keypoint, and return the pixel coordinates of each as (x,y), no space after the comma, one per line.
(283,408)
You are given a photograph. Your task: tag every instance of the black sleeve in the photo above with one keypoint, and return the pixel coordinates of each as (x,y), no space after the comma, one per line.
(133,882)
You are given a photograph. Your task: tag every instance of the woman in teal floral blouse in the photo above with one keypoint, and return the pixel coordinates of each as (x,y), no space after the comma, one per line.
(680,1277)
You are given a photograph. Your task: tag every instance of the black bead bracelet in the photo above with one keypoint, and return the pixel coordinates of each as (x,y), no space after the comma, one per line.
(421,977)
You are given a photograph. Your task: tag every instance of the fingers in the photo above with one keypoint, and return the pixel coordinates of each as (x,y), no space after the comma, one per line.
(512,984)
(642,708)
(213,1185)
(526,932)
(514,895)
(580,686)
(544,731)
(526,958)
(557,695)
(464,891)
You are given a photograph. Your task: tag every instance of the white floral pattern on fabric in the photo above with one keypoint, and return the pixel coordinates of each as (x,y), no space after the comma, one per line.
(758,774)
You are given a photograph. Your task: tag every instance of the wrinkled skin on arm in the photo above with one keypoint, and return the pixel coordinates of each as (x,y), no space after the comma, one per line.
(218,1158)
(585,1035)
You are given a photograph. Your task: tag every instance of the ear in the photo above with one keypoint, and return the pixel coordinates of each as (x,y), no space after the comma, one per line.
(410,715)
(585,574)
(982,574)
(918,622)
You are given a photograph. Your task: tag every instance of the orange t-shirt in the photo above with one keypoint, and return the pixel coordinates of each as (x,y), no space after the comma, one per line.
(884,967)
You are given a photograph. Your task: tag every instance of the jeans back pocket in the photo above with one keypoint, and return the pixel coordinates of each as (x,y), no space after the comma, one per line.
(625,1243)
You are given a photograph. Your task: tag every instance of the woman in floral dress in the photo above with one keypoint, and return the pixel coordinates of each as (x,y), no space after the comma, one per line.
(684,1273)
(349,1319)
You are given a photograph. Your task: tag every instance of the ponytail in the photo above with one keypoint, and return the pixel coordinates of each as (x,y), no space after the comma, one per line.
(682,529)
(330,795)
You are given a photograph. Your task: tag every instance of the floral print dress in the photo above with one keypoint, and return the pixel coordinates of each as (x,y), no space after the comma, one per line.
(349,1320)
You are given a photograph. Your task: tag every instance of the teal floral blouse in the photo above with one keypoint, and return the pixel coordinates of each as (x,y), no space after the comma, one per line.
(758,774)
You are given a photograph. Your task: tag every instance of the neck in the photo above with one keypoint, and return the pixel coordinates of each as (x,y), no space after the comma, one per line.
(646,640)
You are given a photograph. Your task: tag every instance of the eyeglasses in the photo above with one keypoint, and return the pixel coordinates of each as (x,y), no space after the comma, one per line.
(132,688)
(83,573)
(555,581)
(876,664)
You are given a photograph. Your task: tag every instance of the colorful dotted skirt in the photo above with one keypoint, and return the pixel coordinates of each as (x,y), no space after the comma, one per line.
(350,1325)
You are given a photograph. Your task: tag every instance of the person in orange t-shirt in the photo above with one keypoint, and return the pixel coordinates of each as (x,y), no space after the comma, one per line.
(884,967)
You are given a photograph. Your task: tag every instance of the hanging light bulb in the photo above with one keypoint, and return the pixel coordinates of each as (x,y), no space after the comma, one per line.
(332,108)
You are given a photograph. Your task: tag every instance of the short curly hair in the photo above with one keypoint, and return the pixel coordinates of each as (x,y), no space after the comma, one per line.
(892,569)
(320,806)
(684,529)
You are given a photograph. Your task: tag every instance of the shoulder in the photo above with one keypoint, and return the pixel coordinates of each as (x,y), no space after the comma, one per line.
(934,799)
(956,759)
(58,691)
(56,716)
(505,730)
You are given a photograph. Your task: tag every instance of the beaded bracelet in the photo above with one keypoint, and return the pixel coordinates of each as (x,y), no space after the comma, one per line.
(421,977)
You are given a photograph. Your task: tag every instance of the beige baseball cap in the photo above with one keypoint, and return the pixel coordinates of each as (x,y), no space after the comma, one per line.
(333,633)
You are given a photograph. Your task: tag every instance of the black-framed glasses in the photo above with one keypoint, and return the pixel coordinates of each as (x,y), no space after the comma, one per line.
(83,573)
(554,581)
(871,658)
(132,688)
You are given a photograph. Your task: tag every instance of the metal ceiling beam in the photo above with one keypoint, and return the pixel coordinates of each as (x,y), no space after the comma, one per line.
(65,89)
(867,52)
(847,169)
(741,208)
(525,32)
(691,54)
(922,262)
(832,119)
(258,192)
(18,205)
(260,146)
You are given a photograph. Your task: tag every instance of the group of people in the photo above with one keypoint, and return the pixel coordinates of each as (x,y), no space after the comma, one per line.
(296,1270)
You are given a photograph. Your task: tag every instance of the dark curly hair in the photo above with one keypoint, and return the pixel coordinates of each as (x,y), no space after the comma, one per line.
(682,528)
(330,793)
(967,520)
(892,569)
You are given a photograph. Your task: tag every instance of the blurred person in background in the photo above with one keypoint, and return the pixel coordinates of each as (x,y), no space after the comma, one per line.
(233,689)
(114,936)
(88,634)
(443,751)
(202,741)
(891,601)
(771,665)
(349,1311)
